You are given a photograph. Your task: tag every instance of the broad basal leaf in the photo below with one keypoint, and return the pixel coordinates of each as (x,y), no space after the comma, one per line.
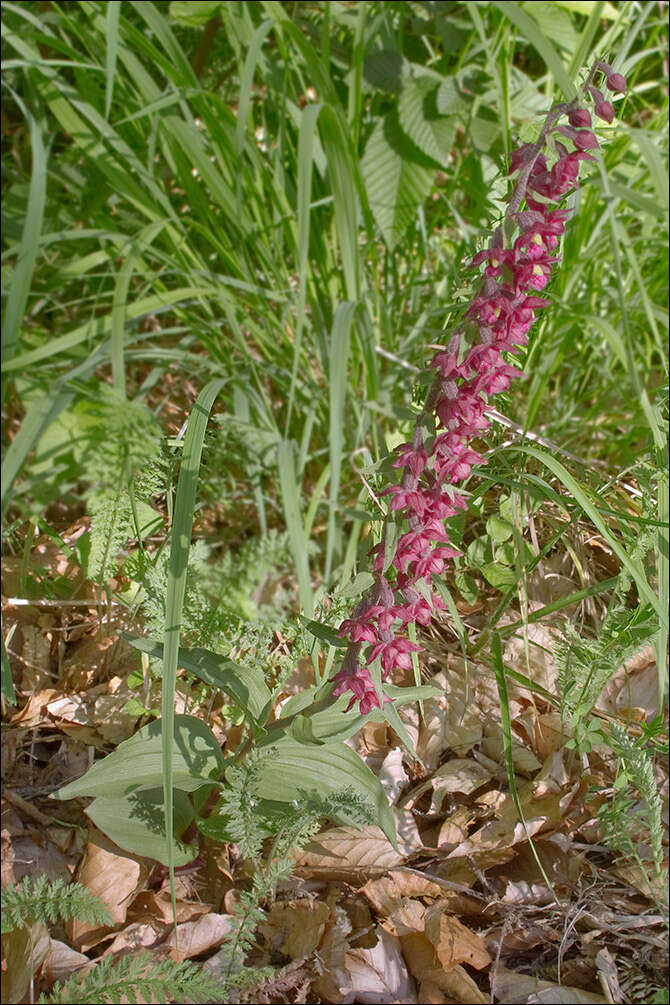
(245,685)
(136,823)
(294,768)
(136,763)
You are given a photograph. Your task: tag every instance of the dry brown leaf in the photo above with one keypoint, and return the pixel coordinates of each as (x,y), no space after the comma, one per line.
(452,720)
(379,975)
(113,875)
(24,950)
(454,943)
(508,830)
(521,939)
(385,893)
(525,761)
(333,982)
(455,828)
(511,988)
(295,928)
(149,906)
(407,832)
(347,852)
(633,686)
(392,775)
(431,994)
(61,961)
(407,918)
(33,712)
(135,937)
(195,937)
(535,660)
(423,963)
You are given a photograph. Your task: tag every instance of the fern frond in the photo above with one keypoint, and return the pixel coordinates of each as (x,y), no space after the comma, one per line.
(47,901)
(136,978)
(585,665)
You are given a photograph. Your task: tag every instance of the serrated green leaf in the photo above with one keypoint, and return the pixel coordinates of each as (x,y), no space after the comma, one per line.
(385,70)
(396,184)
(136,764)
(413,115)
(449,99)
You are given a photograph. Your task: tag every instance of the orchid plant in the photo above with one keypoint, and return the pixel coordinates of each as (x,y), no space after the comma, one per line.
(518,266)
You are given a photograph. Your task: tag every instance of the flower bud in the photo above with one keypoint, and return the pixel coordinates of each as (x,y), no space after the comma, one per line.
(579,117)
(617,82)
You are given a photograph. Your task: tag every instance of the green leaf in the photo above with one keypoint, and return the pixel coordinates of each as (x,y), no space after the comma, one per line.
(467,587)
(633,565)
(335,723)
(194,13)
(245,684)
(136,764)
(396,183)
(324,633)
(384,70)
(294,767)
(449,99)
(498,575)
(136,823)
(359,584)
(431,134)
(498,529)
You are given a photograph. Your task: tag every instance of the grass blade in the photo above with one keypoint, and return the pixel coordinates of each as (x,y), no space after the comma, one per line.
(112,35)
(23,270)
(337,389)
(182,526)
(288,487)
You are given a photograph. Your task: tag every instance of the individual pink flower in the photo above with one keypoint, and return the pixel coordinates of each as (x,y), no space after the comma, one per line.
(395,653)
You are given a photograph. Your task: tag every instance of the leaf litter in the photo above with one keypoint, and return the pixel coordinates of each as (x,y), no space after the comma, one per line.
(460,912)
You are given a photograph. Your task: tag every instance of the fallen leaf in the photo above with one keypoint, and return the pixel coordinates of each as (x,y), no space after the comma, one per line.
(195,937)
(113,875)
(333,982)
(454,943)
(392,775)
(379,975)
(347,852)
(423,963)
(512,988)
(385,893)
(148,906)
(61,961)
(295,928)
(453,720)
(24,949)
